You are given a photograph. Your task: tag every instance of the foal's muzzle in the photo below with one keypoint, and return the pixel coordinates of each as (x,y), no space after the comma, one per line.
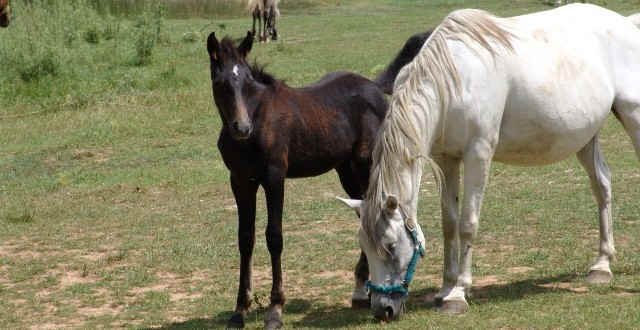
(241,131)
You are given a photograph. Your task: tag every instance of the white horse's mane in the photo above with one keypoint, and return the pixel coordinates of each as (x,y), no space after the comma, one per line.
(401,141)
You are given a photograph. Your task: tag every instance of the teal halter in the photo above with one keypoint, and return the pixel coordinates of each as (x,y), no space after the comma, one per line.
(404,287)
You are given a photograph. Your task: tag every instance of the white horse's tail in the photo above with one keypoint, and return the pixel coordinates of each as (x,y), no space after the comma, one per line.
(253,4)
(635,19)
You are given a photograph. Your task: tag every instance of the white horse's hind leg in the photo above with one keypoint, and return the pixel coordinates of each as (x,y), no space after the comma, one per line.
(450,218)
(629,114)
(591,159)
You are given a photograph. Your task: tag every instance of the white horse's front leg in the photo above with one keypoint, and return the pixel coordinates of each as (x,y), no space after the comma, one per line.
(477,161)
(591,159)
(450,218)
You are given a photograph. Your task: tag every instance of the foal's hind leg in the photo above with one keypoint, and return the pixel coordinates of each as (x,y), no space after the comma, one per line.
(591,159)
(351,184)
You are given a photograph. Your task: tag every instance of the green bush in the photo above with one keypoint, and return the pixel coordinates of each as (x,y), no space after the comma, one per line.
(149,27)
(57,51)
(92,35)
(37,67)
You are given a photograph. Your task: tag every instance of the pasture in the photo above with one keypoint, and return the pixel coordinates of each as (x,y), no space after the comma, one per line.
(115,207)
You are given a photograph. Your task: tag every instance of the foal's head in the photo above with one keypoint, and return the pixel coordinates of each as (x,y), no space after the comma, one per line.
(233,83)
(4,13)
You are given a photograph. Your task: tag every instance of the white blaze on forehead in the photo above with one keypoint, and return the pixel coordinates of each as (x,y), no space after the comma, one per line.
(235,70)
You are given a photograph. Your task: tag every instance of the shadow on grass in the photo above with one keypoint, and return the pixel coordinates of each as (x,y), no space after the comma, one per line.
(321,317)
(324,316)
(567,283)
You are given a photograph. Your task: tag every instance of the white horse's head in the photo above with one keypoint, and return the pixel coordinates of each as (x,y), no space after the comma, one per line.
(392,246)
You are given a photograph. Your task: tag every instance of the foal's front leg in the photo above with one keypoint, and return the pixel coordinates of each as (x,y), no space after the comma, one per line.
(244,191)
(274,191)
(353,177)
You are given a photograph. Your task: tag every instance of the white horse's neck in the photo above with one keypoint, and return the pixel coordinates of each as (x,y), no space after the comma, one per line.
(404,143)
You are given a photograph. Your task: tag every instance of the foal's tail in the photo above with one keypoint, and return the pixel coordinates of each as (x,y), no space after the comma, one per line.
(407,53)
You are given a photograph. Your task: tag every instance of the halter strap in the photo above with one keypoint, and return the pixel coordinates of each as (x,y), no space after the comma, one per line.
(404,287)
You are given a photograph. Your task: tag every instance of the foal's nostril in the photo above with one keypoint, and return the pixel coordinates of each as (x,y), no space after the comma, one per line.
(236,126)
(385,314)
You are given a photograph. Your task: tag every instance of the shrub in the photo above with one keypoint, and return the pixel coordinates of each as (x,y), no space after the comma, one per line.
(149,26)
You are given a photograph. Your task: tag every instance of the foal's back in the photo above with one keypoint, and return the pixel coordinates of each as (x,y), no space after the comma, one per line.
(323,125)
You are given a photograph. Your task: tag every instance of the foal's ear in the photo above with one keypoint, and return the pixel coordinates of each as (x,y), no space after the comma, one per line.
(245,46)
(352,203)
(212,46)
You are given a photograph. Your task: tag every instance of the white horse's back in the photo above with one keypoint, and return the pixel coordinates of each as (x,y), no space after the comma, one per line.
(553,93)
(635,19)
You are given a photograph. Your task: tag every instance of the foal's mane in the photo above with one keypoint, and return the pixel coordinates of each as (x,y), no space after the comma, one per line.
(257,71)
(401,142)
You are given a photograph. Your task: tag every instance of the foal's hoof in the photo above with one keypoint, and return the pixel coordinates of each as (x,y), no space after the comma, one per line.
(599,277)
(453,307)
(236,321)
(273,318)
(360,303)
(272,324)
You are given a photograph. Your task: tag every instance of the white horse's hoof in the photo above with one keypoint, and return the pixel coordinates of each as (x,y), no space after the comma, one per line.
(597,276)
(272,324)
(273,318)
(453,307)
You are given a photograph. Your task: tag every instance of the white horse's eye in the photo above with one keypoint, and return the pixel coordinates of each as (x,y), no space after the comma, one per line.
(392,247)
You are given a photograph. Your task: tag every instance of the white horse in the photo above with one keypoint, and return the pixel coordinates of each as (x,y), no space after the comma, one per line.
(526,90)
(635,19)
(266,12)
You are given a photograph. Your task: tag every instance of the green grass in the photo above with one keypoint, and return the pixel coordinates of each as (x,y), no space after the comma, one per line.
(115,208)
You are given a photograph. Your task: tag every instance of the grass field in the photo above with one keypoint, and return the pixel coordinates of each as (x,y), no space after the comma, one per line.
(115,209)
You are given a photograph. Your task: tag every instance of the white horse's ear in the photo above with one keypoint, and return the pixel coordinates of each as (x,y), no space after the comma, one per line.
(390,204)
(352,203)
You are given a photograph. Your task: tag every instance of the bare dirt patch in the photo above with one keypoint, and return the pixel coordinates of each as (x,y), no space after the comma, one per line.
(106,309)
(97,155)
(487,280)
(520,270)
(70,278)
(565,286)
(344,275)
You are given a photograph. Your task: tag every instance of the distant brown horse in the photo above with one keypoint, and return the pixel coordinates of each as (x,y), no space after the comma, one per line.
(271,131)
(265,12)
(5,10)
